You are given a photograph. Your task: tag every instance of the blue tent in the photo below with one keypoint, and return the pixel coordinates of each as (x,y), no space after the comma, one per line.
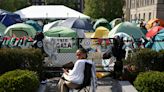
(34,24)
(157,42)
(9,18)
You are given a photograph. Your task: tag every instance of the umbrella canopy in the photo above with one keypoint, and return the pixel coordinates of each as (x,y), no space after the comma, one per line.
(153,31)
(127,28)
(60,32)
(101,22)
(77,23)
(48,26)
(35,25)
(20,30)
(101,32)
(157,43)
(149,24)
(2,29)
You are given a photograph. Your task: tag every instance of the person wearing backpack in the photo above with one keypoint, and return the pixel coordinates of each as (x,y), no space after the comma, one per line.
(74,78)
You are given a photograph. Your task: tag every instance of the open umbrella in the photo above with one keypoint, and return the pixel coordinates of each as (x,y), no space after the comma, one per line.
(77,23)
(50,25)
(153,31)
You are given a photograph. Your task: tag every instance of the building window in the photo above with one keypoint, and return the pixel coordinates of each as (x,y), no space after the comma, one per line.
(144,16)
(149,15)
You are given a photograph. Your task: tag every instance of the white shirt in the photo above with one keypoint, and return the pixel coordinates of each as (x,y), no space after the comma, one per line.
(76,75)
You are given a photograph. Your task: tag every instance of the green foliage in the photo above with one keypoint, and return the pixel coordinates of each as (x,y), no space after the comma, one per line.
(30,59)
(146,59)
(142,60)
(19,81)
(150,82)
(13,5)
(108,9)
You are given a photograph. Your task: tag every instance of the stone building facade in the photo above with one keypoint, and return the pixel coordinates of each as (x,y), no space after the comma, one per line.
(143,9)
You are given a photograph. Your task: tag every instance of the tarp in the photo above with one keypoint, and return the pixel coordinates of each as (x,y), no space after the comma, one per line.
(49,12)
(127,28)
(20,29)
(2,29)
(157,42)
(9,18)
(35,25)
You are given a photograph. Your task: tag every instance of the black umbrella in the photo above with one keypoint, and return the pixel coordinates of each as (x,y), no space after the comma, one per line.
(77,23)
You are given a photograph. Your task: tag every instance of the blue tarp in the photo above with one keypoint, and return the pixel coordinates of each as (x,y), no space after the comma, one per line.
(9,19)
(157,42)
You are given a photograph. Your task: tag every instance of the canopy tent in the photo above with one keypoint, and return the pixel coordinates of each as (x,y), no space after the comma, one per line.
(2,29)
(49,12)
(127,28)
(157,42)
(20,30)
(34,24)
(9,18)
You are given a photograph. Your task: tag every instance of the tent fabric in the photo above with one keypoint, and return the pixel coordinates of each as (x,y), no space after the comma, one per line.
(35,25)
(60,32)
(101,32)
(2,29)
(153,31)
(49,12)
(77,23)
(101,22)
(157,42)
(20,29)
(48,26)
(149,24)
(9,19)
(127,28)
(115,22)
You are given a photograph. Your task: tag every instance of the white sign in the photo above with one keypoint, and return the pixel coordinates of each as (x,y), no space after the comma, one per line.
(64,42)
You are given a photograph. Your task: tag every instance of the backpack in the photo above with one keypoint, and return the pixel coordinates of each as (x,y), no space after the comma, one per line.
(87,75)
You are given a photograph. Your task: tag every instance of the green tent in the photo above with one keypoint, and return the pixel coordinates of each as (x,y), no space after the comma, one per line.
(20,30)
(2,29)
(128,28)
(115,22)
(102,22)
(61,32)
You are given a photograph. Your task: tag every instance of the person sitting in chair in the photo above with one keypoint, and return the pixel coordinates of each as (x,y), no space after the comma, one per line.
(74,78)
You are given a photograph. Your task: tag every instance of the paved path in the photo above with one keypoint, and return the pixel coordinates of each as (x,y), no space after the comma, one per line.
(104,85)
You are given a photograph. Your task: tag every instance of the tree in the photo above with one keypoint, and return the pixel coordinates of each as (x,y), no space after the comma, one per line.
(109,9)
(13,5)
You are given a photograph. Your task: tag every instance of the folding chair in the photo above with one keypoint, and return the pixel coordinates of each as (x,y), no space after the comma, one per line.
(86,81)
